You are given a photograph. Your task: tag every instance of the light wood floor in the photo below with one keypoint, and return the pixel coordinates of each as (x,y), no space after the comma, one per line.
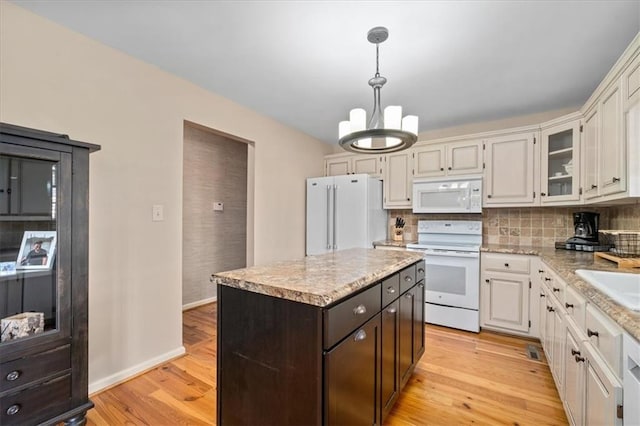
(463,378)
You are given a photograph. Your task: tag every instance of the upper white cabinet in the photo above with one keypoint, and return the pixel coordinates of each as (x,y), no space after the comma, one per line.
(341,164)
(511,172)
(398,180)
(612,170)
(450,159)
(560,161)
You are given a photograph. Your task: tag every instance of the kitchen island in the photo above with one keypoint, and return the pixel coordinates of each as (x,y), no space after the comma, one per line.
(327,339)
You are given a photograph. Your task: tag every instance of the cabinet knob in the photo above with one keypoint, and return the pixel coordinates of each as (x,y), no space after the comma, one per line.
(13,410)
(540,271)
(568,305)
(506,265)
(359,310)
(407,279)
(420,285)
(542,295)
(391,290)
(487,281)
(556,289)
(574,352)
(543,194)
(392,310)
(592,333)
(594,186)
(420,271)
(442,169)
(489,196)
(408,199)
(408,295)
(615,179)
(449,168)
(12,376)
(579,359)
(550,309)
(360,336)
(547,279)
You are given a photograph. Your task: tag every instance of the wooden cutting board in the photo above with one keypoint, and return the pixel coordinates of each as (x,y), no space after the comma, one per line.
(623,262)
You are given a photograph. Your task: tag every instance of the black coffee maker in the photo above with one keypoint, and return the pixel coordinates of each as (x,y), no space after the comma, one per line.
(585,225)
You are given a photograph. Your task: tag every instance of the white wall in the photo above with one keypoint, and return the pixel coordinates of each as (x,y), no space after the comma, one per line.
(57,80)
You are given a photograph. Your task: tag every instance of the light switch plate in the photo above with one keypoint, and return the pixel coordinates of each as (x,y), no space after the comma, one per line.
(218,206)
(158,213)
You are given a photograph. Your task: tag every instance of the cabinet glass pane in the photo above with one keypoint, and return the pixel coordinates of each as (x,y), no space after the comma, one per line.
(560,163)
(28,243)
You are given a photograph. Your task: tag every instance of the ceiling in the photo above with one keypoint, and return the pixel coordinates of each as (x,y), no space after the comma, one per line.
(307,63)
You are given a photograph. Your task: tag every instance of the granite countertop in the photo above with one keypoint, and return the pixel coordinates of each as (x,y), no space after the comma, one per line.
(393,243)
(319,280)
(565,263)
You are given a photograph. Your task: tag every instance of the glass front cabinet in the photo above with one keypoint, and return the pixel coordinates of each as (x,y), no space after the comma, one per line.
(560,163)
(44,184)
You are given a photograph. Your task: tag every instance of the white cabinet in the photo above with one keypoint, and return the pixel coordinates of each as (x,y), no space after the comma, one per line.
(511,170)
(505,292)
(448,159)
(397,180)
(340,164)
(612,170)
(560,162)
(602,393)
(591,139)
(573,379)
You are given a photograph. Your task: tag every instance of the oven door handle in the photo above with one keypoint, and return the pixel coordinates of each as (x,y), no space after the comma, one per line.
(447,253)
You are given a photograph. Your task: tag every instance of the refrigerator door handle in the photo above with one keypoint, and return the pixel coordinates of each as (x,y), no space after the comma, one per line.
(328,217)
(335,209)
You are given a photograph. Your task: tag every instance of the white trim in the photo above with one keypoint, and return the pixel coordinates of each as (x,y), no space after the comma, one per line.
(126,374)
(199,303)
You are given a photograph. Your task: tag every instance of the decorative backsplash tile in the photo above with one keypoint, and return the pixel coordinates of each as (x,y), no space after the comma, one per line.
(537,226)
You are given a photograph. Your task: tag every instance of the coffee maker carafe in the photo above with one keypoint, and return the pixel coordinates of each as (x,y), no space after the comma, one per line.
(585,226)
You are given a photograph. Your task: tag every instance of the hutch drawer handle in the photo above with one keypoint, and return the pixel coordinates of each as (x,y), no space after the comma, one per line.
(407,279)
(556,289)
(579,359)
(392,310)
(12,376)
(359,310)
(391,290)
(568,305)
(360,336)
(574,352)
(13,410)
(592,333)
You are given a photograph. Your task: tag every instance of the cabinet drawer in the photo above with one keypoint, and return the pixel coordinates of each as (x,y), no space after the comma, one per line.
(506,263)
(605,336)
(408,278)
(420,268)
(346,316)
(28,369)
(556,287)
(390,289)
(33,405)
(576,306)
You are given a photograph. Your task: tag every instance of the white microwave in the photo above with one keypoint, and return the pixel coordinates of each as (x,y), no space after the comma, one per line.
(454,195)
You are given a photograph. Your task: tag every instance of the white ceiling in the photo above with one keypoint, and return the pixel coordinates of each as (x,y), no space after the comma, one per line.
(307,63)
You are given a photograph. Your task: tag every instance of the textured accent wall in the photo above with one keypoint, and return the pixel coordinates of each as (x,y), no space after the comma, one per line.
(215,169)
(537,226)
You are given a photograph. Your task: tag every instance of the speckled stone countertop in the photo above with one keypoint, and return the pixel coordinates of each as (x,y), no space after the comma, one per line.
(565,263)
(319,280)
(393,243)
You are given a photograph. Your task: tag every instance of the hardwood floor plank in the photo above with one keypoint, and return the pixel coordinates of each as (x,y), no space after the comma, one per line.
(463,378)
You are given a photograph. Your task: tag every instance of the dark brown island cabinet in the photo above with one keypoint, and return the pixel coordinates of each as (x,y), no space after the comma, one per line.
(282,362)
(44,203)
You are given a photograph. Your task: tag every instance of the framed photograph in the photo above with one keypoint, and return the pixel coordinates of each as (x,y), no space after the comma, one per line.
(7,268)
(37,251)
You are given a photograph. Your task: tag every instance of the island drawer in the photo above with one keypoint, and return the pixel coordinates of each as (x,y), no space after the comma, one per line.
(346,316)
(22,371)
(407,278)
(420,268)
(390,289)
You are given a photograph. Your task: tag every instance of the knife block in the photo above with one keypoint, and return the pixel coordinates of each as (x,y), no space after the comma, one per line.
(398,234)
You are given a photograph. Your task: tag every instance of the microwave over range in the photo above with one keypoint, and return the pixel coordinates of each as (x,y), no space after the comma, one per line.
(455,195)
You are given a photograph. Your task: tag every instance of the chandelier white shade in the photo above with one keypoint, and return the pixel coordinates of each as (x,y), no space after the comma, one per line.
(386,131)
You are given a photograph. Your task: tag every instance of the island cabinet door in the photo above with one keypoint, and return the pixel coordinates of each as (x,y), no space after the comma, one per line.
(418,322)
(390,380)
(407,309)
(352,375)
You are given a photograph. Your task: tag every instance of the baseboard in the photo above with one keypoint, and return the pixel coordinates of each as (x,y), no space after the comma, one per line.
(130,373)
(199,303)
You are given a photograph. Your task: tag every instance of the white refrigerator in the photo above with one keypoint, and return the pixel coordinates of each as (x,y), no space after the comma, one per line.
(344,212)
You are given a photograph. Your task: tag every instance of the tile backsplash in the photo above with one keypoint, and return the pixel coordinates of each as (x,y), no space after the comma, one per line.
(538,226)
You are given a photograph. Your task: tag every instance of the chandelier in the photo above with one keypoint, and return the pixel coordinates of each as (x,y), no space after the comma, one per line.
(387,131)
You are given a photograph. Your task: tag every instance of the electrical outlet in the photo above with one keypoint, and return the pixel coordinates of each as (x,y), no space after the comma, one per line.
(157,213)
